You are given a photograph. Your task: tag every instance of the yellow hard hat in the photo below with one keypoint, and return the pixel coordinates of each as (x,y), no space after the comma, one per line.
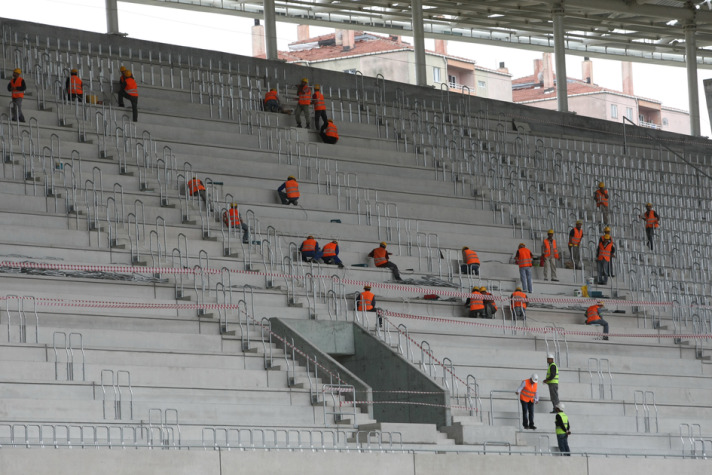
(483,289)
(521,244)
(601,185)
(606,229)
(127,72)
(74,71)
(366,287)
(290,177)
(17,70)
(317,87)
(122,69)
(273,90)
(600,302)
(464,247)
(579,222)
(330,121)
(383,244)
(648,205)
(551,231)
(305,80)
(233,205)
(475,289)
(518,288)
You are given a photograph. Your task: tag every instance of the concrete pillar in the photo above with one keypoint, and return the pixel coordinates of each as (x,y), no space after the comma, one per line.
(258,40)
(562,95)
(416,8)
(691,65)
(270,30)
(112,17)
(627,75)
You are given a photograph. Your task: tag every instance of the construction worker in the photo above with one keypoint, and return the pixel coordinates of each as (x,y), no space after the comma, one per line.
(232,219)
(366,302)
(523,258)
(129,90)
(471,261)
(475,303)
(652,221)
(319,108)
(601,197)
(17,88)
(74,86)
(518,304)
(575,237)
(607,230)
(197,188)
(549,254)
(303,102)
(528,396)
(563,429)
(490,305)
(603,258)
(289,191)
(330,254)
(381,259)
(593,317)
(271,102)
(310,250)
(329,133)
(552,380)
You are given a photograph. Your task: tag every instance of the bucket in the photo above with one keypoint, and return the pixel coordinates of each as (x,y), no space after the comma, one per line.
(577,293)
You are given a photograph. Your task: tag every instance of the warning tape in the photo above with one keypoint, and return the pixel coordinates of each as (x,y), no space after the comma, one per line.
(407,403)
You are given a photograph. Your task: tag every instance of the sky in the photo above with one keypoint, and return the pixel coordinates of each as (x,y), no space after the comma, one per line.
(232,34)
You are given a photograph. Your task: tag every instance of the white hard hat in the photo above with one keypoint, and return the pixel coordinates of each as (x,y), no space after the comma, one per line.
(561,406)
(549,356)
(535,378)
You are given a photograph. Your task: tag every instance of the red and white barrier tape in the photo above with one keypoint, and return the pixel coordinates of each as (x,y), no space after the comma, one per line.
(405,403)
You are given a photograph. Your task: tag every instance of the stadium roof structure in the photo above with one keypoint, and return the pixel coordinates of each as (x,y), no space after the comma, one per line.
(629,30)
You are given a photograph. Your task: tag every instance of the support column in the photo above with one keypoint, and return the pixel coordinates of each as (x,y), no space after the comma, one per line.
(562,95)
(691,65)
(112,17)
(416,8)
(270,30)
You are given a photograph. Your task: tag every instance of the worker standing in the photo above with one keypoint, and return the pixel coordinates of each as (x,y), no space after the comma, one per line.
(575,237)
(593,317)
(549,254)
(129,90)
(303,102)
(523,258)
(563,430)
(528,396)
(603,258)
(471,261)
(288,191)
(652,221)
(552,380)
(381,259)
(74,86)
(601,198)
(330,254)
(518,304)
(17,88)
(319,108)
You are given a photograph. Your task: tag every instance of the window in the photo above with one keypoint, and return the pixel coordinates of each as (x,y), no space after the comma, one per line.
(629,113)
(482,84)
(436,74)
(665,121)
(452,80)
(614,111)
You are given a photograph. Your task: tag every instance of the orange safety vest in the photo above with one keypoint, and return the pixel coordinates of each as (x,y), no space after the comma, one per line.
(329,250)
(271,96)
(380,256)
(528,392)
(494,305)
(365,301)
(471,257)
(304,96)
(292,188)
(516,296)
(318,100)
(650,220)
(601,198)
(524,257)
(604,252)
(131,87)
(75,85)
(14,84)
(231,217)
(331,131)
(547,249)
(476,302)
(309,245)
(575,240)
(592,314)
(194,186)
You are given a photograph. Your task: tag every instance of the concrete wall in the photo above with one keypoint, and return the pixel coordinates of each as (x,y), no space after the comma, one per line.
(174,462)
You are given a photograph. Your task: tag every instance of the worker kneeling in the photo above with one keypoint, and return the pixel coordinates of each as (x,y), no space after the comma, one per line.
(330,134)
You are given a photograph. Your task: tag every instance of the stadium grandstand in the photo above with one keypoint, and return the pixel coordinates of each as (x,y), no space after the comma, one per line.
(140,333)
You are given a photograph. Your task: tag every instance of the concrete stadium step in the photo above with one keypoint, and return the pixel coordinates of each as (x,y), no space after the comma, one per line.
(411,433)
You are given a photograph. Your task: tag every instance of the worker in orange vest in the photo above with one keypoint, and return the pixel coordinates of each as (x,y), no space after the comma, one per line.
(549,254)
(490,305)
(289,191)
(129,90)
(271,102)
(603,256)
(528,396)
(366,302)
(652,221)
(593,317)
(523,258)
(17,88)
(232,219)
(575,237)
(319,108)
(330,254)
(310,250)
(196,188)
(471,263)
(303,102)
(475,303)
(518,304)
(601,197)
(330,134)
(381,259)
(74,86)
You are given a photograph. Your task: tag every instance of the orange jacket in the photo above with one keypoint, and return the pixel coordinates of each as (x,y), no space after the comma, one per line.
(524,257)
(309,245)
(470,257)
(575,240)
(518,298)
(15,84)
(651,221)
(271,96)
(75,85)
(304,93)
(380,256)
(231,217)
(548,249)
(292,188)
(528,393)
(331,130)
(601,198)
(592,314)
(476,302)
(329,249)
(604,252)
(318,101)
(131,87)
(365,300)
(194,186)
